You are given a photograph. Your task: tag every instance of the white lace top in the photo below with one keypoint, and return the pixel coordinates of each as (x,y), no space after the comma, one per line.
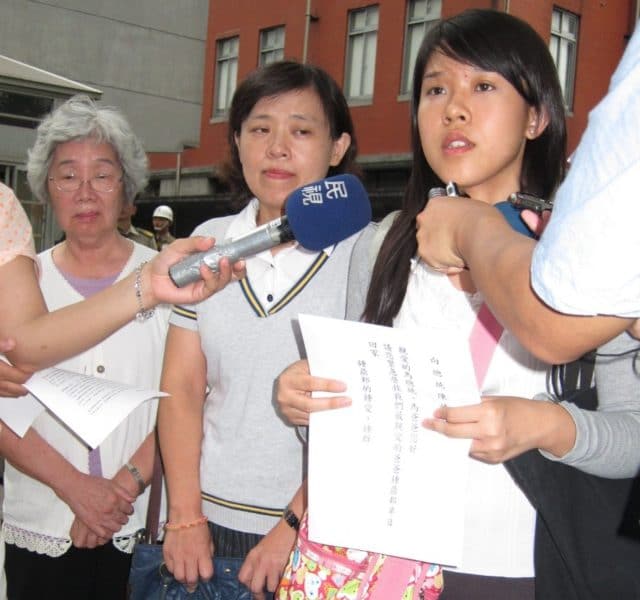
(34,517)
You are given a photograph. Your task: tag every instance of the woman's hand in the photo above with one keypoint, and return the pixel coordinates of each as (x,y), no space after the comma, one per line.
(157,285)
(294,388)
(12,380)
(436,231)
(101,504)
(502,427)
(82,536)
(188,554)
(262,570)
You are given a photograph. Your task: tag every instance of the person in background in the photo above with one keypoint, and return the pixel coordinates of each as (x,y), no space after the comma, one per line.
(127,229)
(71,513)
(234,469)
(162,222)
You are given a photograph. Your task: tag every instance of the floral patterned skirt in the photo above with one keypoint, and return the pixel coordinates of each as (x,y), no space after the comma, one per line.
(320,572)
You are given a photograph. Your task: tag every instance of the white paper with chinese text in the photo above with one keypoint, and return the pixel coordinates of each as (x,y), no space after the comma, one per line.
(378,480)
(19,413)
(92,408)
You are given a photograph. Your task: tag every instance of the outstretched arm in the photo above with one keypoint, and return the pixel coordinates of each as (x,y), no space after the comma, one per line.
(454,233)
(44,339)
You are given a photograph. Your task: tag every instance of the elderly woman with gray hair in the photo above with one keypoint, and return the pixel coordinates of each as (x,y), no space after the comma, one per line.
(71,513)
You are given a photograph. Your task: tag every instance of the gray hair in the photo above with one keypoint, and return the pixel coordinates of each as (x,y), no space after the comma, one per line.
(80,118)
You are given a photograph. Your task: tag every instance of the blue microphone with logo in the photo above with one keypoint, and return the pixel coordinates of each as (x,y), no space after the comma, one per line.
(317,215)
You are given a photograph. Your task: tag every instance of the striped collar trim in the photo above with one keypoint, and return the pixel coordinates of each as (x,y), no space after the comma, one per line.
(252,299)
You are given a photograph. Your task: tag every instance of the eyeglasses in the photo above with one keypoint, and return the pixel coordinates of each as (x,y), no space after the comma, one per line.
(70,182)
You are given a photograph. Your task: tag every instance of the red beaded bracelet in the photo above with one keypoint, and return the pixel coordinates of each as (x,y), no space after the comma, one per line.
(199,521)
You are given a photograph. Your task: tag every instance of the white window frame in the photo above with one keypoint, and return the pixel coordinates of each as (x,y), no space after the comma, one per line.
(362,44)
(563,46)
(226,78)
(421,16)
(271,45)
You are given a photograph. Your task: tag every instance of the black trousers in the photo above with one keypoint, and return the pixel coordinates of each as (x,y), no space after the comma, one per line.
(79,574)
(460,586)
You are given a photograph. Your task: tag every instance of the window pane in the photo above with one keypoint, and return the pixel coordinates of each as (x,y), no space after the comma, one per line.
(358,20)
(357,66)
(421,15)
(23,110)
(372,17)
(368,71)
(414,39)
(226,74)
(271,45)
(361,52)
(417,8)
(563,46)
(434,9)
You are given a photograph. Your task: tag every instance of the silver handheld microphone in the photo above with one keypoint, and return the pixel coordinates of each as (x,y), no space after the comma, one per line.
(268,236)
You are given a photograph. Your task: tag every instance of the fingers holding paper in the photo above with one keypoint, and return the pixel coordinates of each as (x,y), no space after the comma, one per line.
(502,427)
(294,388)
(12,380)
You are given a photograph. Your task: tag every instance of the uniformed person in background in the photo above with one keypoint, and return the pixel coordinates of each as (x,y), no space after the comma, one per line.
(137,234)
(162,221)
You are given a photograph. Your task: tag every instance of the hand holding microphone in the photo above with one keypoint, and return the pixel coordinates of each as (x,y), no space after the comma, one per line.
(317,215)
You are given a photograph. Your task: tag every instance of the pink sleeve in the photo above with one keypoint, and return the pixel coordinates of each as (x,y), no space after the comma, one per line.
(15,230)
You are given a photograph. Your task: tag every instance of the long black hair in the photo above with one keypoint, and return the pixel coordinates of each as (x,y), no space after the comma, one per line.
(491,41)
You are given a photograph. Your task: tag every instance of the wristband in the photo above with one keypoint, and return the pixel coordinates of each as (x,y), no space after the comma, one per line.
(176,526)
(291,519)
(136,475)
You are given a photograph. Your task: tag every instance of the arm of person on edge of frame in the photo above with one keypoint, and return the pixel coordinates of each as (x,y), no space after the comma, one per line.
(454,233)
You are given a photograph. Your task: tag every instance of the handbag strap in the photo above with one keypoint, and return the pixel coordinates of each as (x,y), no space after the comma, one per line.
(155,493)
(483,340)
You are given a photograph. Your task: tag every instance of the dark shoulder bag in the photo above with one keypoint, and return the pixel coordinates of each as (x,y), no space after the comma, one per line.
(587,539)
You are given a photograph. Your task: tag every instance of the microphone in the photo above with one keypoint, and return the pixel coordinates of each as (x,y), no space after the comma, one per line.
(317,215)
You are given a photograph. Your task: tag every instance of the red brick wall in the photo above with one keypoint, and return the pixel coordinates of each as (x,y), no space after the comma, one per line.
(383,126)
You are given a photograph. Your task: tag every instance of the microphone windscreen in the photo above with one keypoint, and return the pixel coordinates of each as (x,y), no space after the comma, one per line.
(327,211)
